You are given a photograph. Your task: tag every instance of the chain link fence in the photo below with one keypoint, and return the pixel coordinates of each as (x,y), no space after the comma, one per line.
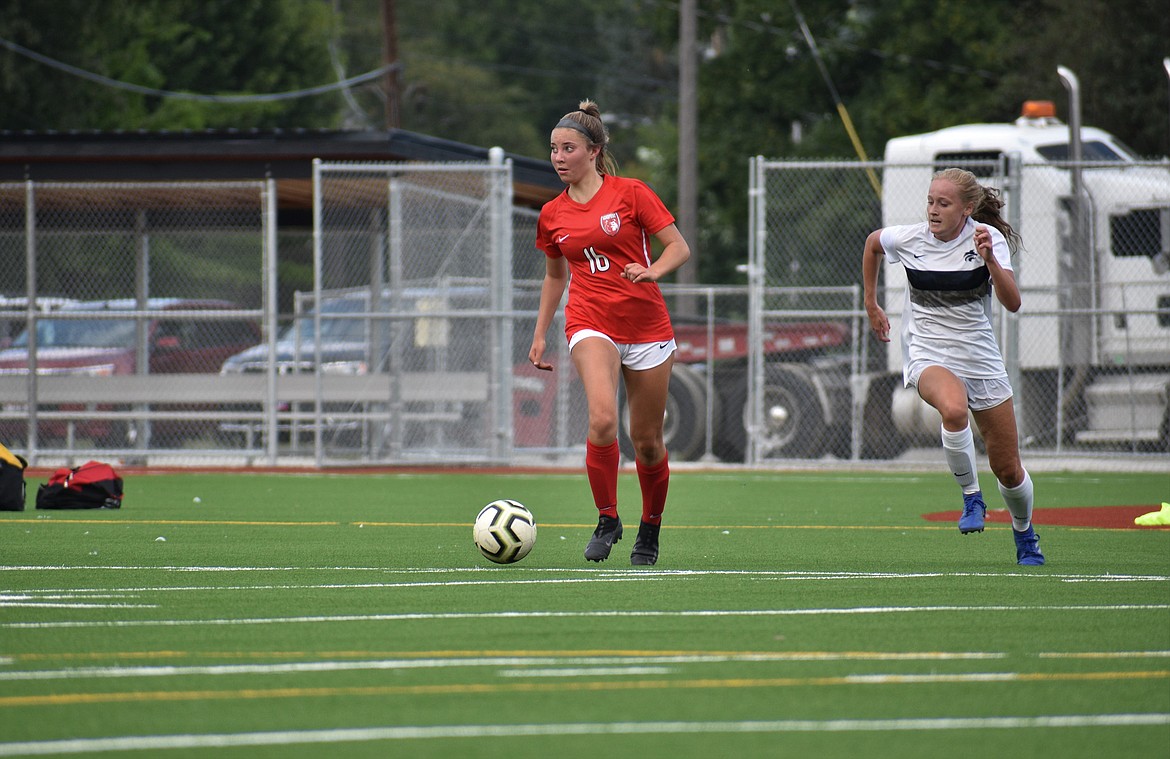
(147,323)
(120,303)
(1089,353)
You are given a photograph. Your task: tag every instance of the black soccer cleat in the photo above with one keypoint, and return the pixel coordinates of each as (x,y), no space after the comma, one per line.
(645,552)
(608,532)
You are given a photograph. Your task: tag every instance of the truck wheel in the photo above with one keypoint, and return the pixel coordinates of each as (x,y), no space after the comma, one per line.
(794,422)
(730,432)
(685,422)
(880,439)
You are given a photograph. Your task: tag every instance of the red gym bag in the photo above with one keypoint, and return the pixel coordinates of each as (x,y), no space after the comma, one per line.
(93,485)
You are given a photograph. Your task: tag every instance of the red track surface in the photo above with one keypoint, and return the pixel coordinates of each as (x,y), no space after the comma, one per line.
(1104,517)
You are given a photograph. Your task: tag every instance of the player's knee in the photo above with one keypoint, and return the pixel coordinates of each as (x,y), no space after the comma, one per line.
(648,446)
(954,415)
(603,426)
(1009,473)
(649,451)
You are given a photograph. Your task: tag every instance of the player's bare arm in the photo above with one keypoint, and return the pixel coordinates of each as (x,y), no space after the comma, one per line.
(675,253)
(555,279)
(1002,280)
(871,262)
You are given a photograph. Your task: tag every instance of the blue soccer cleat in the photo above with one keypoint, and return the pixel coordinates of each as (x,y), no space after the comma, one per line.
(1028,548)
(973,512)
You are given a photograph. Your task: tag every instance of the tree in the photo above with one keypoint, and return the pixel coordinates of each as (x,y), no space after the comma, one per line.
(501,72)
(1115,48)
(902,67)
(190,46)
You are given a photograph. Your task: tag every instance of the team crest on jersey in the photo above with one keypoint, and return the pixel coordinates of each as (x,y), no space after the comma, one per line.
(970,256)
(611,223)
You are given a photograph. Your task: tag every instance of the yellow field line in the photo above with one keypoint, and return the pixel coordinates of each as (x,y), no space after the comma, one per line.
(562,526)
(470,654)
(72,699)
(208,522)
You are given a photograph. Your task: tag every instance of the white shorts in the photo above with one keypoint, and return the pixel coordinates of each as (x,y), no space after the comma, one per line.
(982,394)
(637,356)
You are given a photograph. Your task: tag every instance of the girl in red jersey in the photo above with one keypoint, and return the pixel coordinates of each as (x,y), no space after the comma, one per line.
(616,320)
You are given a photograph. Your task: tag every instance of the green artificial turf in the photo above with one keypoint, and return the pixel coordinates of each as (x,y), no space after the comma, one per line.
(790,614)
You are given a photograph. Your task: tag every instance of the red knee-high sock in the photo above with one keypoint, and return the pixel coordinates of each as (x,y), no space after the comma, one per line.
(655,480)
(601,465)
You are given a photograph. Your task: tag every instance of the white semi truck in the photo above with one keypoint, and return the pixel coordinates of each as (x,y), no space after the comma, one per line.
(1093,337)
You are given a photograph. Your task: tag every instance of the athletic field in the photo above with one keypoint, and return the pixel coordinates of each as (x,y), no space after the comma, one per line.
(795,614)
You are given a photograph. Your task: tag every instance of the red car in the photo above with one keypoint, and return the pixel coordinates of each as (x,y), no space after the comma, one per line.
(68,342)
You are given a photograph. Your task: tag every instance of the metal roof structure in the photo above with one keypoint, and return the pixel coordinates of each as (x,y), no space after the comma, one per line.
(285,155)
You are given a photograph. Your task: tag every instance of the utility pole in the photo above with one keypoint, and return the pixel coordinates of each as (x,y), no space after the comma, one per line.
(688,144)
(390,58)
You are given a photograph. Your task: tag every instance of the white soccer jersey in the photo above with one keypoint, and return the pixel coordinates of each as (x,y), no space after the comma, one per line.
(946,320)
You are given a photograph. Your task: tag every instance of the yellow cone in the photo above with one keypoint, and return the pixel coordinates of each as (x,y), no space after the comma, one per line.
(1155,518)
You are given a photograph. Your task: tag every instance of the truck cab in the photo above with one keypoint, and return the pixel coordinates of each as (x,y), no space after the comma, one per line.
(1093,337)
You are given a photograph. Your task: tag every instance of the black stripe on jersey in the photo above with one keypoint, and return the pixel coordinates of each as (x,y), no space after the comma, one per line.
(970,279)
(948,288)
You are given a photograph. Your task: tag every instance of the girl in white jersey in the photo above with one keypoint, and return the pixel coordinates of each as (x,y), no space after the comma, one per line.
(949,350)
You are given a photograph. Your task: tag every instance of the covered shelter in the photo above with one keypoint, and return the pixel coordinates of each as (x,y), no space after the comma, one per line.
(284,155)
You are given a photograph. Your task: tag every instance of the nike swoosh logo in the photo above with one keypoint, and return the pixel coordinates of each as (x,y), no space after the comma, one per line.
(916,255)
(662,345)
(562,239)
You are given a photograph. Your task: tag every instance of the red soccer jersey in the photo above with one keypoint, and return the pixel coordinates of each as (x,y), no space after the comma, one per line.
(598,239)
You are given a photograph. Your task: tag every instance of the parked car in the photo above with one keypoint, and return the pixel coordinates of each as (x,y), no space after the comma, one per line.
(548,407)
(13,313)
(69,343)
(420,345)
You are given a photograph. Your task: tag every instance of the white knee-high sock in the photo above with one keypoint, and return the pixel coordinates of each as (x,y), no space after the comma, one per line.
(1019,502)
(959,448)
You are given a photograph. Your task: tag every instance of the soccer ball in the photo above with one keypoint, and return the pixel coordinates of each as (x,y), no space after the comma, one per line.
(505,531)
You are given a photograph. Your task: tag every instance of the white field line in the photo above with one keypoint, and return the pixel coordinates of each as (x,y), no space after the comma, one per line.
(65,600)
(520,569)
(488,575)
(90,594)
(686,613)
(314,667)
(58,605)
(73,593)
(438,732)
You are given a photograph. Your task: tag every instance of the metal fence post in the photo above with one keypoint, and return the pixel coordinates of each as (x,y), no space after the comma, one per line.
(757,246)
(270,325)
(30,253)
(500,199)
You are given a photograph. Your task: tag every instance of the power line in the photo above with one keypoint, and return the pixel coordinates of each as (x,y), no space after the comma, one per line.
(235,99)
(842,111)
(765,26)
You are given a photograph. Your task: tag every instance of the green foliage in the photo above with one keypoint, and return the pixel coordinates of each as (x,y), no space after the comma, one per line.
(222,265)
(500,72)
(461,102)
(188,46)
(1116,50)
